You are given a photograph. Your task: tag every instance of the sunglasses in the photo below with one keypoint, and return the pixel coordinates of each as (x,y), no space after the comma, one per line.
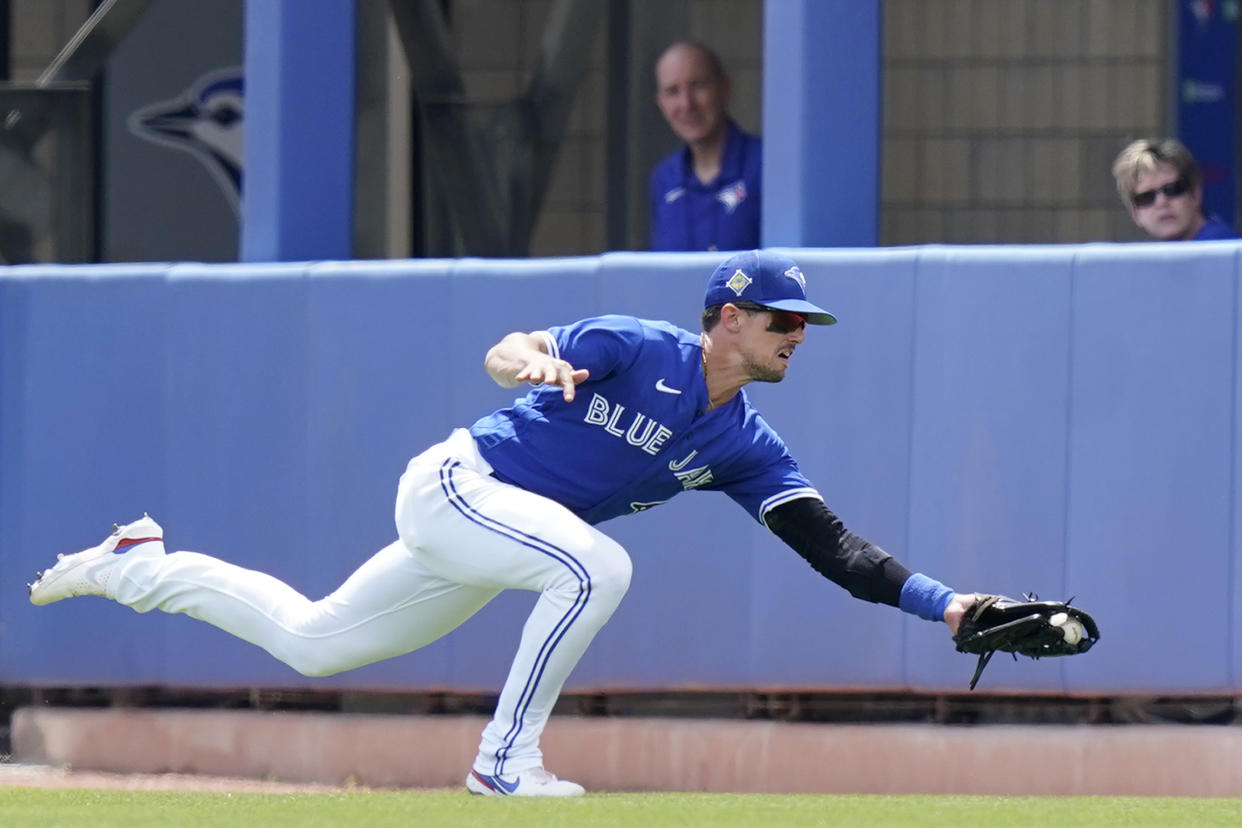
(1171,190)
(782,322)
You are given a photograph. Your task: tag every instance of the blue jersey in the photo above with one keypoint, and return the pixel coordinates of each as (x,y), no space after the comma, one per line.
(1215,228)
(722,214)
(636,433)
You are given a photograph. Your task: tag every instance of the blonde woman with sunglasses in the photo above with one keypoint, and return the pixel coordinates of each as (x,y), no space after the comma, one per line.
(1160,184)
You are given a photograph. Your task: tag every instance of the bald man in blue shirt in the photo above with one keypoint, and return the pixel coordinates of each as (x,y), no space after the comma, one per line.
(706,195)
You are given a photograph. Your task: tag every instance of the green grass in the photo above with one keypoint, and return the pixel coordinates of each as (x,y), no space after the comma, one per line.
(99,808)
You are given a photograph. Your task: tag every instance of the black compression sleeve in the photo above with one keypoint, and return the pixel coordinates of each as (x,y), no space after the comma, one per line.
(818,535)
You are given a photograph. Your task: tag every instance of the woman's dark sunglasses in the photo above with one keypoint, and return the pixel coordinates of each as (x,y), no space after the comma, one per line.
(1171,190)
(782,322)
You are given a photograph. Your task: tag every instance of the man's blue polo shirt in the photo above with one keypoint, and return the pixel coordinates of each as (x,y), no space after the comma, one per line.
(723,214)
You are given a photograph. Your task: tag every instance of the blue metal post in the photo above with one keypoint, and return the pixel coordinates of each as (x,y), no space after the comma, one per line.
(1207,110)
(821,123)
(297,191)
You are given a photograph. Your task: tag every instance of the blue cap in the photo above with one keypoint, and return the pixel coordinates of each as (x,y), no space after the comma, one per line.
(767,279)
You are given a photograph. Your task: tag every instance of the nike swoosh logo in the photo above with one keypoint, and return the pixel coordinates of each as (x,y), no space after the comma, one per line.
(660,386)
(495,782)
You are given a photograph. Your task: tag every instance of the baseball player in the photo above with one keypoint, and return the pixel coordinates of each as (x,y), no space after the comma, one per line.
(623,415)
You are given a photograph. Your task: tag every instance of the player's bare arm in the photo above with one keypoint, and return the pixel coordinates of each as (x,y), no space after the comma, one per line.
(523,357)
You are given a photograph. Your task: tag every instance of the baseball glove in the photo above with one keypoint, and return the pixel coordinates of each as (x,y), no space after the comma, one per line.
(1033,628)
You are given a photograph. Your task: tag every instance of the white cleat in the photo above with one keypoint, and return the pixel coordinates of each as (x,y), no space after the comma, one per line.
(532,782)
(88,572)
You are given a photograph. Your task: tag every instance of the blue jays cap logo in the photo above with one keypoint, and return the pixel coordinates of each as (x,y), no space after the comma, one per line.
(739,281)
(765,277)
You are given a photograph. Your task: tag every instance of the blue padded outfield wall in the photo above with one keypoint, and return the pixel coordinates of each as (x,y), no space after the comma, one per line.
(1057,419)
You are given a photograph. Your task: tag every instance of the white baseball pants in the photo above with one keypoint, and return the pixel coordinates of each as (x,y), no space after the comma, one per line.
(464,537)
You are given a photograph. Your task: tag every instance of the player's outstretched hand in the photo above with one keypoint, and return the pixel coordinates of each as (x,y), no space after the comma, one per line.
(957,608)
(552,371)
(522,357)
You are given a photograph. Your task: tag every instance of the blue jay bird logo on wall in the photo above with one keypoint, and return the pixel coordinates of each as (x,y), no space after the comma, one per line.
(207,121)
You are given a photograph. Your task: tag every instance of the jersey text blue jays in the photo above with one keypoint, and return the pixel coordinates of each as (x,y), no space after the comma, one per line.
(642,431)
